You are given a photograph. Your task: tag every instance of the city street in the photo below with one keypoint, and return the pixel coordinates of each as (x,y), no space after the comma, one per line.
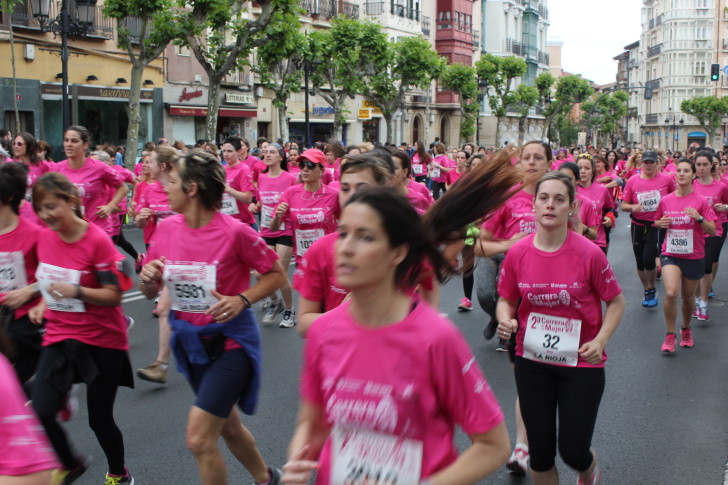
(663,418)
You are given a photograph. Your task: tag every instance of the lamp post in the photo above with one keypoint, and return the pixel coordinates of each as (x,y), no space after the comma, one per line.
(63,25)
(671,120)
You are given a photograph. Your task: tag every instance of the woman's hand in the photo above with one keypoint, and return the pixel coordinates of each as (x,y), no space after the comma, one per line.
(592,351)
(63,290)
(145,213)
(693,213)
(298,470)
(506,328)
(227,307)
(282,208)
(152,272)
(607,222)
(16,298)
(663,222)
(35,314)
(104,211)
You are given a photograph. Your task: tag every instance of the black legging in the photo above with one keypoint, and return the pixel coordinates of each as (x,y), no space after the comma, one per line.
(101,394)
(27,339)
(713,245)
(437,187)
(573,392)
(468,283)
(120,241)
(645,245)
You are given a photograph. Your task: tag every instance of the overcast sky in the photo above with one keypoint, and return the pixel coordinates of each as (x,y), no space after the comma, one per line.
(593,33)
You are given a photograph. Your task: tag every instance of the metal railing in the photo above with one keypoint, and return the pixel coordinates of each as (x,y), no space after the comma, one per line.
(654,51)
(515,47)
(374,8)
(652,118)
(22,15)
(476,39)
(100,26)
(321,8)
(134,25)
(350,10)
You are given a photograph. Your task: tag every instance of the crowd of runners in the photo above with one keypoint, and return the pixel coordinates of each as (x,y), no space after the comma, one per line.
(371,232)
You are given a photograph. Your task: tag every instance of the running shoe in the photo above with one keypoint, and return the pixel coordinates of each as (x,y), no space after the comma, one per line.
(502,346)
(712,293)
(669,344)
(61,476)
(129,323)
(139,262)
(289,319)
(596,477)
(652,300)
(519,461)
(465,305)
(119,480)
(155,372)
(489,330)
(686,337)
(265,303)
(702,313)
(70,405)
(646,299)
(272,313)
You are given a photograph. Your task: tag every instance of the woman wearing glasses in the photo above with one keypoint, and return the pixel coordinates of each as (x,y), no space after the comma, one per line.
(312,207)
(26,151)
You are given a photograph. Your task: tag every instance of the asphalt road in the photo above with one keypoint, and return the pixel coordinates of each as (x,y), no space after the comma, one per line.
(663,418)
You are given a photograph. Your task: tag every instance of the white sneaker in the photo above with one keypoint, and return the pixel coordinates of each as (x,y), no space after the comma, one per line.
(289,319)
(265,303)
(519,461)
(272,313)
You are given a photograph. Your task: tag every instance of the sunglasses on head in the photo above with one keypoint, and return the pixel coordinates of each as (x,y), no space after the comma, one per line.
(308,164)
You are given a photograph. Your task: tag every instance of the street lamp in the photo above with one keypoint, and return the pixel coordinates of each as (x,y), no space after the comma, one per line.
(671,120)
(65,26)
(482,86)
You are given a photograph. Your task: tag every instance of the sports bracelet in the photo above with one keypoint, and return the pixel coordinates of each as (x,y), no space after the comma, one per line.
(79,295)
(247,302)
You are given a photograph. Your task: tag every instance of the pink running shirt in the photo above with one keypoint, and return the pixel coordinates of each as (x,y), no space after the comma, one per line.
(231,249)
(558,289)
(413,382)
(314,278)
(439,175)
(422,189)
(685,237)
(239,178)
(35,171)
(312,215)
(24,447)
(92,181)
(19,261)
(515,216)
(78,263)
(715,193)
(155,198)
(649,192)
(270,191)
(602,200)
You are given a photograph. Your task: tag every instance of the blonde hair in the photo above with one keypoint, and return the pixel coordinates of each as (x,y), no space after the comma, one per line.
(58,185)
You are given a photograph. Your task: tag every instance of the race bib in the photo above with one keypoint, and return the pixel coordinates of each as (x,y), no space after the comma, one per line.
(417,169)
(361,457)
(679,241)
(435,172)
(649,200)
(47,274)
(190,286)
(266,215)
(12,271)
(305,238)
(552,340)
(229,205)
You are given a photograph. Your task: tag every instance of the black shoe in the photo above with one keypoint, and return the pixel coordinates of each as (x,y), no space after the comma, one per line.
(66,477)
(489,331)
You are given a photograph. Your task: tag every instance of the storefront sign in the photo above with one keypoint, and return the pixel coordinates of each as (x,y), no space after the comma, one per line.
(321,110)
(188,95)
(365,114)
(96,92)
(234,98)
(370,104)
(223,112)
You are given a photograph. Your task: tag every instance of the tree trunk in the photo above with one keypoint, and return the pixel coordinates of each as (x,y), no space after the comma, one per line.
(213,106)
(497,131)
(388,120)
(135,119)
(521,129)
(6,7)
(338,125)
(283,122)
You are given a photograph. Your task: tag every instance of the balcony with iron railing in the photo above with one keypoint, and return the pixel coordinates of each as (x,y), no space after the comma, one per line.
(134,26)
(350,10)
(654,51)
(543,58)
(652,119)
(326,9)
(476,39)
(99,26)
(380,8)
(514,47)
(426,25)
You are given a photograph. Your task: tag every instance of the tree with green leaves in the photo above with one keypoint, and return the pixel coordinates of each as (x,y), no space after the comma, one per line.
(524,98)
(411,62)
(709,111)
(604,113)
(461,79)
(280,68)
(340,56)
(570,90)
(223,33)
(145,28)
(498,74)
(9,6)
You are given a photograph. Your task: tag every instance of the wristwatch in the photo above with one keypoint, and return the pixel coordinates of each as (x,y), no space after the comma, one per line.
(700,221)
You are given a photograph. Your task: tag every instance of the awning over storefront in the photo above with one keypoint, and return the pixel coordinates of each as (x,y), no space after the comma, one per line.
(178,110)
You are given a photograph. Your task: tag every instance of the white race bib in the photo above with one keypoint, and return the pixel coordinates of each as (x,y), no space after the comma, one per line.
(649,200)
(435,172)
(12,271)
(266,215)
(360,457)
(679,241)
(305,238)
(229,205)
(47,274)
(190,286)
(417,169)
(552,340)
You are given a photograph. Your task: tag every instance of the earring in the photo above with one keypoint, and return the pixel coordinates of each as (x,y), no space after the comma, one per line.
(570,214)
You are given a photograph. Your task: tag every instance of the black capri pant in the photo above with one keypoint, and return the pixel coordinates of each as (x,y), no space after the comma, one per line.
(713,245)
(645,244)
(573,392)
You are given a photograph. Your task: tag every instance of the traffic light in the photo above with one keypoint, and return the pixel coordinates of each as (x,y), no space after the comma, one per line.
(715,72)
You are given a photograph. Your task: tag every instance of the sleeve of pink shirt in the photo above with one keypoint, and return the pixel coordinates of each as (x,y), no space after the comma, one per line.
(111,177)
(257,254)
(245,180)
(507,278)
(707,211)
(462,390)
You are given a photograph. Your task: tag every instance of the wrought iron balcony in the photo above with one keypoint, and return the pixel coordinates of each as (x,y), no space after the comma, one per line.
(476,40)
(654,51)
(350,10)
(326,9)
(515,47)
(426,25)
(96,26)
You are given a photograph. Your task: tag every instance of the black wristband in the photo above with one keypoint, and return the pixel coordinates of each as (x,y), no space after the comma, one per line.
(79,294)
(247,302)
